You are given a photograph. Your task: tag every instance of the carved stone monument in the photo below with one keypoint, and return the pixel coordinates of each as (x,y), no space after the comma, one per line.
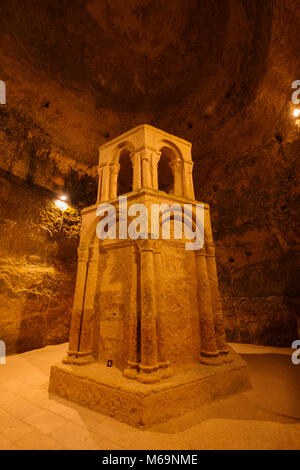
(147,338)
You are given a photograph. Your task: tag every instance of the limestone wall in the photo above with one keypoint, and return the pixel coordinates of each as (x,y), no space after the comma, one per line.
(37,266)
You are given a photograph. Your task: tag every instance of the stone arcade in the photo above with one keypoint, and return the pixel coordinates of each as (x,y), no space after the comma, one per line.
(148,308)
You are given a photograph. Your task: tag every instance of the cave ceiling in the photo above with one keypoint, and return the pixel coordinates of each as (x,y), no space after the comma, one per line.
(79,73)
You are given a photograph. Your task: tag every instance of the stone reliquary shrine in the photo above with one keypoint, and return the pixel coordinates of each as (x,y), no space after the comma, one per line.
(147,340)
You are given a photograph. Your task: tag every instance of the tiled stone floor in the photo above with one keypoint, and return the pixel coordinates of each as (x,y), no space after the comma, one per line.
(266,418)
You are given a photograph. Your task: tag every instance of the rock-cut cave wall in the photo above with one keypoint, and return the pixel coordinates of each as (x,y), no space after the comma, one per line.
(37,265)
(217,73)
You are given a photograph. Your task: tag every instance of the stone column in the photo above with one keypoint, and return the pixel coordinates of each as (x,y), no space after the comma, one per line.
(132,332)
(73,355)
(164,369)
(188,180)
(105,183)
(113,183)
(209,350)
(177,169)
(154,172)
(99,169)
(213,282)
(146,157)
(87,323)
(149,361)
(136,168)
(215,298)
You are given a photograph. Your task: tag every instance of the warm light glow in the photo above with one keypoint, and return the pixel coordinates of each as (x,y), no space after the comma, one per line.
(61,204)
(296,112)
(63,197)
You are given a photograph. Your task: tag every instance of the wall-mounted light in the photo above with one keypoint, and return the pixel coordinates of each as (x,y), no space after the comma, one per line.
(296,114)
(61,204)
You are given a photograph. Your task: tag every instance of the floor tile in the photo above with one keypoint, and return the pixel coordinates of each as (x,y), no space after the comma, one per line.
(6,397)
(117,432)
(45,421)
(6,444)
(74,436)
(14,429)
(21,408)
(83,417)
(38,441)
(53,406)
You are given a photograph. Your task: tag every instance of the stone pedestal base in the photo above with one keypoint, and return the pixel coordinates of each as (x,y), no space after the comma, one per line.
(106,390)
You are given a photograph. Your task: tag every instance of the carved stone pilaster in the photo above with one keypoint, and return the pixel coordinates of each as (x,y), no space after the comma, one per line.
(73,354)
(131,369)
(209,350)
(215,298)
(87,322)
(149,354)
(164,364)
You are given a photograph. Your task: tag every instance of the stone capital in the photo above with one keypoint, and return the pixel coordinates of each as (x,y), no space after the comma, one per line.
(134,155)
(147,245)
(176,164)
(114,168)
(156,157)
(189,163)
(146,154)
(94,252)
(83,252)
(100,167)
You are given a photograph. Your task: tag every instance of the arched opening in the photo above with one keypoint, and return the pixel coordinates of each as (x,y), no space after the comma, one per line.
(165,173)
(125,177)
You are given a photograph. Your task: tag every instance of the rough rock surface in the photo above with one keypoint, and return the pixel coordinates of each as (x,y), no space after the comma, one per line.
(216,73)
(37,266)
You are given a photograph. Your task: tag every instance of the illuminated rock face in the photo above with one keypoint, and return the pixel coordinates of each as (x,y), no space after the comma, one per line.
(38,266)
(144,305)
